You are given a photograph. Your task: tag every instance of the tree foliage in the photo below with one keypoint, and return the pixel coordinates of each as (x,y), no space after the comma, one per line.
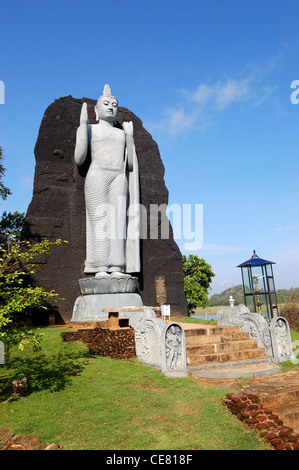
(10,228)
(17,295)
(197,279)
(4,191)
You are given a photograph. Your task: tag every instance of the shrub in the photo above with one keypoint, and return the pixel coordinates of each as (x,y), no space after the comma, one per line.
(290,311)
(17,295)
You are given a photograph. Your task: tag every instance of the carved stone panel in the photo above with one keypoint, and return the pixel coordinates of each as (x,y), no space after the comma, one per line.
(252,323)
(148,333)
(174,360)
(281,339)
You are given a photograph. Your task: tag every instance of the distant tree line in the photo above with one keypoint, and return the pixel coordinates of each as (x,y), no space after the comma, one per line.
(283,295)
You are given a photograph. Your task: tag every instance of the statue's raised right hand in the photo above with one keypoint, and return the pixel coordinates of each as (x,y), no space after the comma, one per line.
(84,114)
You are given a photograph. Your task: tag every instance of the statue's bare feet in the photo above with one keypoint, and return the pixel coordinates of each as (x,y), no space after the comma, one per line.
(118,274)
(101,275)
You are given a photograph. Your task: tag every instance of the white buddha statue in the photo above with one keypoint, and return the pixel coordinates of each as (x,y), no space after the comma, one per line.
(111,186)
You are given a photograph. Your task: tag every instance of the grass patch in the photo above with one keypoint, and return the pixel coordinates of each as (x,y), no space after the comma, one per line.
(192,320)
(85,402)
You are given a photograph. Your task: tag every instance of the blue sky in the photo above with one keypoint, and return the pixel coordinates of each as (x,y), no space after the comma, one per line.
(211,81)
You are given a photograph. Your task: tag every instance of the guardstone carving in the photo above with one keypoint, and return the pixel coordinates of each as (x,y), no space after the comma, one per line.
(174,360)
(158,344)
(148,335)
(252,323)
(275,339)
(281,339)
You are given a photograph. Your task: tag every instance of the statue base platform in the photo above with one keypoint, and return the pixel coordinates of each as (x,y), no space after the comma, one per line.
(89,307)
(108,284)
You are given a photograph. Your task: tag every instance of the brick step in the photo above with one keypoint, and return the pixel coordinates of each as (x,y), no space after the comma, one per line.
(226,346)
(194,359)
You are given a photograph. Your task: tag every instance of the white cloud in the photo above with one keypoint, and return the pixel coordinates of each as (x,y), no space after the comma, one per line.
(283,229)
(222,94)
(198,108)
(222,249)
(178,120)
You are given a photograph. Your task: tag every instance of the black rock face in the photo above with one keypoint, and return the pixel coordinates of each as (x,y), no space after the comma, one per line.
(57,209)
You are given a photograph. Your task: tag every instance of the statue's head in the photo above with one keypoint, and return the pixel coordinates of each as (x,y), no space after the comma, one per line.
(107,106)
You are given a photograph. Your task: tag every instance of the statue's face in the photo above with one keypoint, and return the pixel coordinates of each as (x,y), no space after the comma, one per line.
(106,109)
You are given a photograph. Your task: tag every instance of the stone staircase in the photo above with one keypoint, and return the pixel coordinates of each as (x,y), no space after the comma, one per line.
(225,352)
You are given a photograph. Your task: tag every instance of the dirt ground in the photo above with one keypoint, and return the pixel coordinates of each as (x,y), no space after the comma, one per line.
(277,382)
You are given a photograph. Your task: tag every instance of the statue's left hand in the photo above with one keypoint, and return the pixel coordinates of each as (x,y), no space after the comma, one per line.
(128,128)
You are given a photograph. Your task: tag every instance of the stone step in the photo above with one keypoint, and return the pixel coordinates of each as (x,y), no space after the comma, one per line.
(236,369)
(284,403)
(281,398)
(219,347)
(216,338)
(214,335)
(220,357)
(234,337)
(225,352)
(211,331)
(289,414)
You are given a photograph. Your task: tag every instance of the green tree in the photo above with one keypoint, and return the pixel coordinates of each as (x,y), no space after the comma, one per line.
(17,295)
(11,227)
(197,279)
(4,191)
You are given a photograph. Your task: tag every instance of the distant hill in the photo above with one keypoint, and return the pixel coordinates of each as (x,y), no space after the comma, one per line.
(237,292)
(222,299)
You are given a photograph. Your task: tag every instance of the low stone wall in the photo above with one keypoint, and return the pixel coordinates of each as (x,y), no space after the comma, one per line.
(116,344)
(248,408)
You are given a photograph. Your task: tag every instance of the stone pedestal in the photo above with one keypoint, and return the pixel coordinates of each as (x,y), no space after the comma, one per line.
(89,307)
(104,293)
